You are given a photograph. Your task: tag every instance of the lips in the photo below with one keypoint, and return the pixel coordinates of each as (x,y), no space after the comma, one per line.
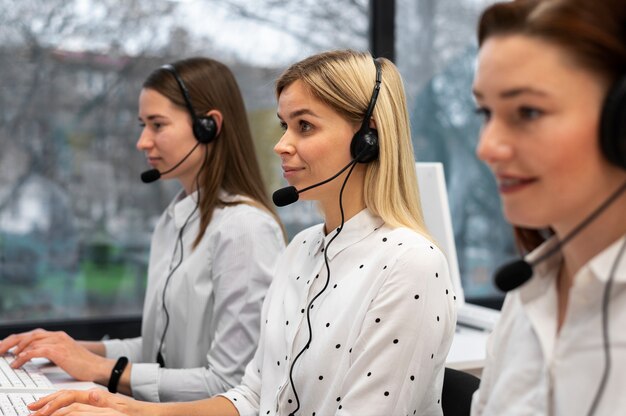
(153,161)
(290,170)
(508,184)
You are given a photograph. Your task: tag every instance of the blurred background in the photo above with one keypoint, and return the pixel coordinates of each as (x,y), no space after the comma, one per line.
(75,220)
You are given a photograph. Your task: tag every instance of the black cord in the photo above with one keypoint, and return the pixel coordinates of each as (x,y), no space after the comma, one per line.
(179,241)
(605,333)
(308,309)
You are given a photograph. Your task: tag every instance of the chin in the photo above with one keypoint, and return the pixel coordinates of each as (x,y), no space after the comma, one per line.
(524,218)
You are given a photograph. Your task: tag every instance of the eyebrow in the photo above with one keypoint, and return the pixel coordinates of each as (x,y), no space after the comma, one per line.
(514,92)
(151,117)
(298,113)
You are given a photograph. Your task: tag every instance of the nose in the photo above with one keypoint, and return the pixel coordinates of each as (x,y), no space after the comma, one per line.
(494,144)
(285,145)
(145,141)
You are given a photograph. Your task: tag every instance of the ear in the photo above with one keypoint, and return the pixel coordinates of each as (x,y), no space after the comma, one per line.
(217,116)
(372,123)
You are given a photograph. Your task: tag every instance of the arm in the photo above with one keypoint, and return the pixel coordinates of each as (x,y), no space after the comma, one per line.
(399,356)
(96,347)
(69,402)
(245,247)
(80,360)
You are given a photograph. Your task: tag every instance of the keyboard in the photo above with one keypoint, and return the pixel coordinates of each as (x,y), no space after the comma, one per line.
(28,379)
(14,404)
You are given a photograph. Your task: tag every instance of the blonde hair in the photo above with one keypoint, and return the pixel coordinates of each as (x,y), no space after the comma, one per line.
(344,80)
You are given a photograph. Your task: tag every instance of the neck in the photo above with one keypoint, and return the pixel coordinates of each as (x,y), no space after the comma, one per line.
(608,227)
(353,202)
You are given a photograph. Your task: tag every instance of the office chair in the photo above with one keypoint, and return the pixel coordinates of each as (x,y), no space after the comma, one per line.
(458,388)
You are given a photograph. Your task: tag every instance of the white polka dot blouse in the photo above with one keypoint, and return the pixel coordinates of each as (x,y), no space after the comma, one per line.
(380,326)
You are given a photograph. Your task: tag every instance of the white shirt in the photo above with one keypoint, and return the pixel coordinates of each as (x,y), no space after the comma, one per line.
(381,329)
(532,370)
(214,300)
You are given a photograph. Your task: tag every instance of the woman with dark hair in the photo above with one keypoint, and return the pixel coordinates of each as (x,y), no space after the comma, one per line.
(212,252)
(551,85)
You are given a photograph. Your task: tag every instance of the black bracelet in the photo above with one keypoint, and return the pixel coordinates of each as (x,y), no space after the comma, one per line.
(116,373)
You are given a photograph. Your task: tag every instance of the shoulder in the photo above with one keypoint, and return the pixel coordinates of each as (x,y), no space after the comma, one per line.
(307,236)
(245,216)
(409,247)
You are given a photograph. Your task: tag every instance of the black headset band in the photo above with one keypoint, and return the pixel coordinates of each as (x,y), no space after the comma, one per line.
(183,89)
(370,107)
(372,103)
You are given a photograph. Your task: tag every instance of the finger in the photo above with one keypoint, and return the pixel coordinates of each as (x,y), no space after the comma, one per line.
(62,399)
(44,400)
(78,409)
(18,341)
(34,338)
(24,357)
(9,342)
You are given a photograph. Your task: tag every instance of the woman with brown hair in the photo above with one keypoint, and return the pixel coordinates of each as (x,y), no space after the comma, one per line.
(212,252)
(551,85)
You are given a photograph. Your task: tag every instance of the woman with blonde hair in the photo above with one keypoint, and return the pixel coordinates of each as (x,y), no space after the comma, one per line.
(360,315)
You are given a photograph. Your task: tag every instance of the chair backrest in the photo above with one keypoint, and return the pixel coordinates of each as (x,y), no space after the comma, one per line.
(458,388)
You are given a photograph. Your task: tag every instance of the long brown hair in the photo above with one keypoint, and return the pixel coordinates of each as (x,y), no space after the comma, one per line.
(231,163)
(593,33)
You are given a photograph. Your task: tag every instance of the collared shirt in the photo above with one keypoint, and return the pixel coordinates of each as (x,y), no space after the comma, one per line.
(381,328)
(533,370)
(213,298)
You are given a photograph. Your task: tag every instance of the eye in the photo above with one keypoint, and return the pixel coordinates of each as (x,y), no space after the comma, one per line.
(283,126)
(305,126)
(529,113)
(483,112)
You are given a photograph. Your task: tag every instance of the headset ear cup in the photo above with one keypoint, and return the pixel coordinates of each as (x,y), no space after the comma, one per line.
(205,129)
(364,146)
(613,125)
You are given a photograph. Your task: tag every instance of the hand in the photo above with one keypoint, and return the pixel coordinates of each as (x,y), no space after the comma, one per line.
(80,402)
(62,350)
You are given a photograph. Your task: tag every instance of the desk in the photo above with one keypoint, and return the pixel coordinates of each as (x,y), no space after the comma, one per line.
(468,350)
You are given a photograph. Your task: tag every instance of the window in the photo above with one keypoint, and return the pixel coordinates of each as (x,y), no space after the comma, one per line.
(75,221)
(436,52)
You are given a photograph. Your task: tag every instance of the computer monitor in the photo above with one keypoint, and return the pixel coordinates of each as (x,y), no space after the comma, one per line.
(434,199)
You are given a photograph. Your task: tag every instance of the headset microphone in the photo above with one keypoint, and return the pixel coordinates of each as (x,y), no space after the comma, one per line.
(516,273)
(289,194)
(152,175)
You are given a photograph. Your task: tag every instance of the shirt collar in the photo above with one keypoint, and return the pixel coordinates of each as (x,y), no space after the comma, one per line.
(545,272)
(181,208)
(602,264)
(354,230)
(183,205)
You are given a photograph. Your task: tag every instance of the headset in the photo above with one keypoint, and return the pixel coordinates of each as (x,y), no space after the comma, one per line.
(364,144)
(204,127)
(613,124)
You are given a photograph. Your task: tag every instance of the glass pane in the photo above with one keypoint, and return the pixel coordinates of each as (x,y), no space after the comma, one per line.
(75,221)
(436,51)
